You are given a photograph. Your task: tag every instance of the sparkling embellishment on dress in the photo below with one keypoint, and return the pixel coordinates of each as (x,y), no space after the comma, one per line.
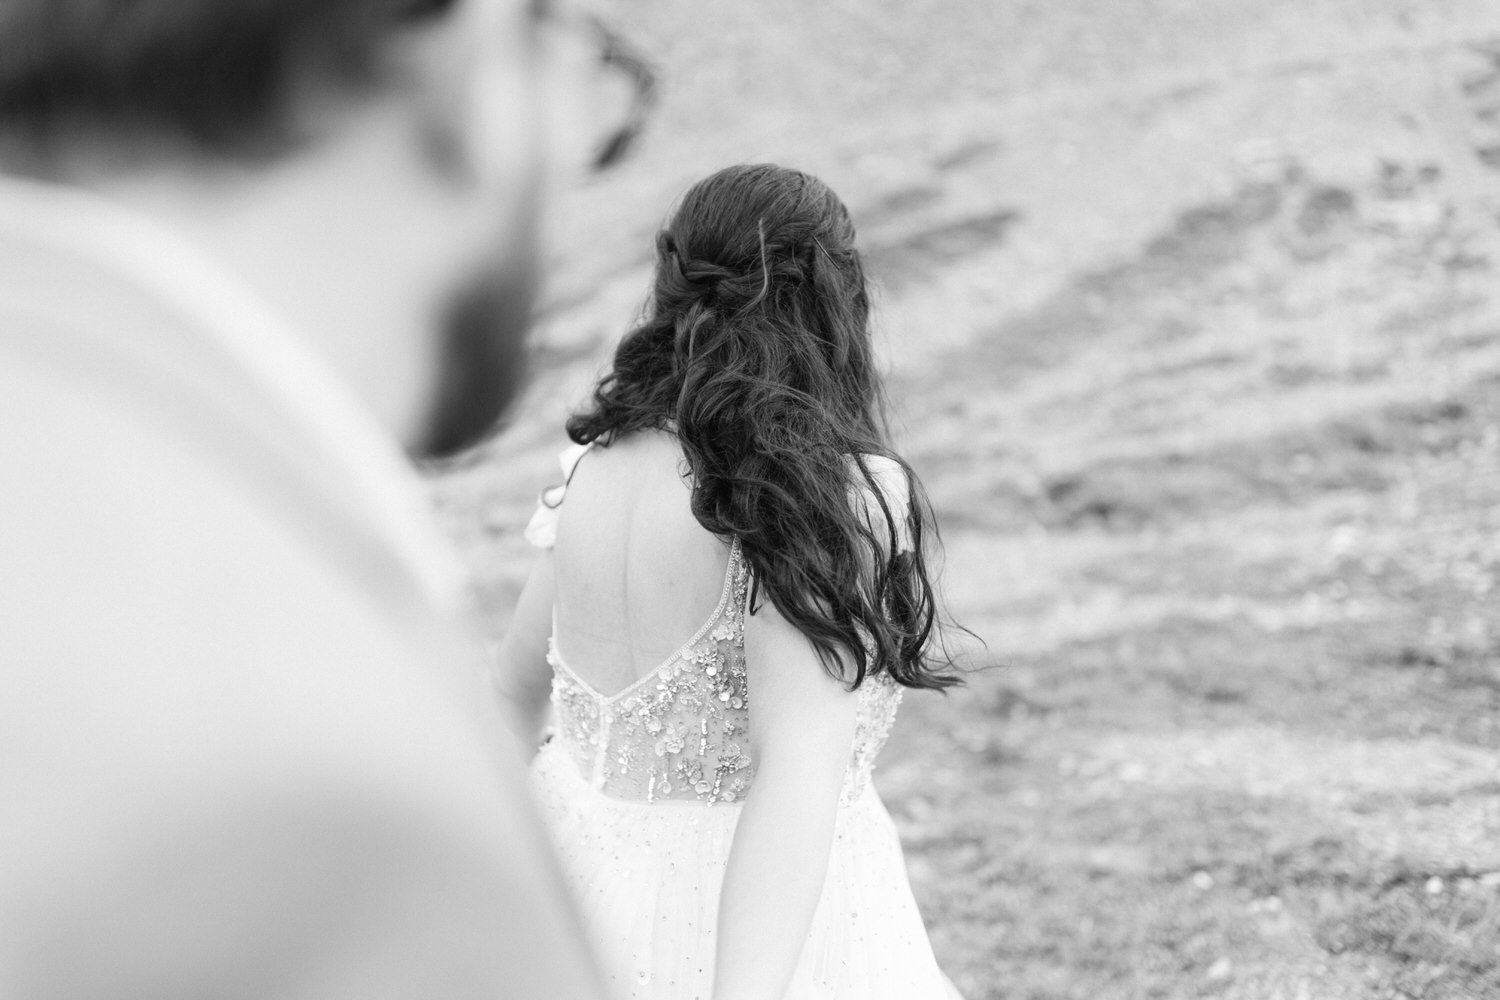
(682,732)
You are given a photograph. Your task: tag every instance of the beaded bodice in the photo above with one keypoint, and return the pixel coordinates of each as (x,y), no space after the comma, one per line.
(682,732)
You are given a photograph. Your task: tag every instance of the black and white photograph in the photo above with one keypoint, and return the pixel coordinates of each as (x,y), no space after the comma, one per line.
(690,500)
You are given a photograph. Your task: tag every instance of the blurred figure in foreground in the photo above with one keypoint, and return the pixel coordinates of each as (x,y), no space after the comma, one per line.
(246,746)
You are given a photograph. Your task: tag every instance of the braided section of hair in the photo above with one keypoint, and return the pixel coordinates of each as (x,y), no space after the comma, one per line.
(756,352)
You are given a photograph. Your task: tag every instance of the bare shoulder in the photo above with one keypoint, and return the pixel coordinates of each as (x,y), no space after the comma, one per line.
(637,491)
(888,473)
(891,492)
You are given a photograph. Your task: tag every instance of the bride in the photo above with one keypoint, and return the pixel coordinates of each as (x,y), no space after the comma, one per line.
(732,596)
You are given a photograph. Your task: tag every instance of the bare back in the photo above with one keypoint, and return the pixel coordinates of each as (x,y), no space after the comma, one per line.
(636,575)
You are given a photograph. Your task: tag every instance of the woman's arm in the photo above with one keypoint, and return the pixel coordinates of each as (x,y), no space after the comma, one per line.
(522,674)
(801,731)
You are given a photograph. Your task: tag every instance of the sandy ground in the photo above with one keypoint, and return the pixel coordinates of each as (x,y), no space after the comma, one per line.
(1191,314)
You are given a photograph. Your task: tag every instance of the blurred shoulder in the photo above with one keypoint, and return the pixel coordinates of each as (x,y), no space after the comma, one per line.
(155,542)
(188,669)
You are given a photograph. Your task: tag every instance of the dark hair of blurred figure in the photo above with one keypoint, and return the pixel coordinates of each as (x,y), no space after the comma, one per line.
(221,75)
(143,85)
(757,351)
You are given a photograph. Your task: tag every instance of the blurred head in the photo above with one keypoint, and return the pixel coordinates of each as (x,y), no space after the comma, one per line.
(371,168)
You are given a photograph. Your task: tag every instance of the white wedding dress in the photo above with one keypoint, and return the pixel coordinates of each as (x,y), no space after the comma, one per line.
(642,789)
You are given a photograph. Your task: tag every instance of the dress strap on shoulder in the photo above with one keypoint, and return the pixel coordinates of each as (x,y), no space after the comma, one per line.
(541,530)
(736,561)
(739,582)
(567,461)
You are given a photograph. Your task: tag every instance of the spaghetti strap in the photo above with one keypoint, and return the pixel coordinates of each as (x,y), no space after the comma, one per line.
(541,530)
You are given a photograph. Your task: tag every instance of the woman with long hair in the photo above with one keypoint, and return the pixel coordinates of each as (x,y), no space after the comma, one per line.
(733,594)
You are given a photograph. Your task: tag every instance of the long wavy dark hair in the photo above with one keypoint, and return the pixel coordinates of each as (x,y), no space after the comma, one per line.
(755,351)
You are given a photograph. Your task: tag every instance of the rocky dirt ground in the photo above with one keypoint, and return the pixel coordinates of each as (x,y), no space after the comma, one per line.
(1192,310)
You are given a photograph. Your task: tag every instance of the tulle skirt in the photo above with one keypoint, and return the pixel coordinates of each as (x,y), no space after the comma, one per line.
(647,879)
